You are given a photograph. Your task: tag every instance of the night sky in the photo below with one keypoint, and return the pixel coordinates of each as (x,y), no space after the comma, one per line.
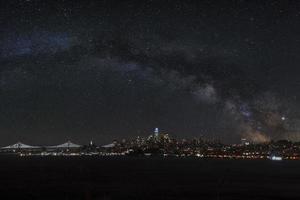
(104,70)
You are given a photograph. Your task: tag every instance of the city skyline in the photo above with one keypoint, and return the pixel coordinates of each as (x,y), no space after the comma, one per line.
(149,99)
(163,145)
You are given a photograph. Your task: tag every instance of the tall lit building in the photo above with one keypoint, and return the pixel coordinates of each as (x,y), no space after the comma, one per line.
(156,132)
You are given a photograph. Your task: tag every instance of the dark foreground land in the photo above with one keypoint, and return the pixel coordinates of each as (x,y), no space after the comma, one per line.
(146,178)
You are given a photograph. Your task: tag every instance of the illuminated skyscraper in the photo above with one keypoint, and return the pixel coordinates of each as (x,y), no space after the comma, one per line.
(156,132)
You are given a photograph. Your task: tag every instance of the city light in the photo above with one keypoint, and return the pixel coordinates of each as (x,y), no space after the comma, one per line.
(163,144)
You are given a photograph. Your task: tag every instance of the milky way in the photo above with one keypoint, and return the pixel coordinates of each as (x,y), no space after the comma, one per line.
(110,70)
